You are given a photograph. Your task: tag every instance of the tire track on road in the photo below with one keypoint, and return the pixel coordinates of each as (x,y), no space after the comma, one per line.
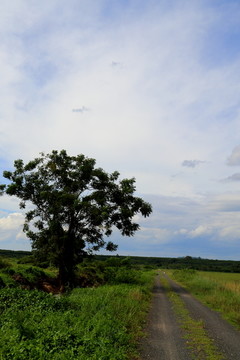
(224,335)
(167,340)
(164,340)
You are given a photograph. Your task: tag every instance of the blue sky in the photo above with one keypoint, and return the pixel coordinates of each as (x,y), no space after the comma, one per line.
(150,89)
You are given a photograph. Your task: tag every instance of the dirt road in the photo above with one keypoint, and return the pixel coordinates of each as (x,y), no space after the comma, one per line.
(166,339)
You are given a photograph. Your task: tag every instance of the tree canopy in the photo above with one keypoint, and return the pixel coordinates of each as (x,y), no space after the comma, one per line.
(72,206)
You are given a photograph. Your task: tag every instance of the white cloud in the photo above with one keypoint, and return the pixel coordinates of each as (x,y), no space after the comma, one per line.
(234,177)
(181,231)
(154,84)
(234,158)
(226,202)
(9,203)
(154,235)
(192,163)
(200,230)
(12,221)
(11,227)
(145,103)
(215,218)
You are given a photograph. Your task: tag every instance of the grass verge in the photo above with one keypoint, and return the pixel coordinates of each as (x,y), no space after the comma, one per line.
(101,323)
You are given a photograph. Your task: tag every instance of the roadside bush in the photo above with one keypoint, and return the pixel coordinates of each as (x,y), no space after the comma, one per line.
(32,260)
(29,259)
(10,271)
(126,276)
(3,263)
(112,271)
(7,280)
(2,283)
(92,323)
(26,276)
(89,276)
(118,262)
(32,274)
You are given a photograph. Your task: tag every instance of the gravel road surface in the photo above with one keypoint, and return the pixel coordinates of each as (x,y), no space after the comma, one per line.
(224,334)
(164,336)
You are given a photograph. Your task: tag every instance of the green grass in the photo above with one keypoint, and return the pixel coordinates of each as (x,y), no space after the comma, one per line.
(219,291)
(100,323)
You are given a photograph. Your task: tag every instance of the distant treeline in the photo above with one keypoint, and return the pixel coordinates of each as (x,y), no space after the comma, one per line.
(189,262)
(14,253)
(186,262)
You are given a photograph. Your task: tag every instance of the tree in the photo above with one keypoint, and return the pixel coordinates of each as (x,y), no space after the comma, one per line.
(74,205)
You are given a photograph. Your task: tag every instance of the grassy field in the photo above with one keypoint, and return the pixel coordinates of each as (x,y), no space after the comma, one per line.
(96,323)
(230,281)
(220,291)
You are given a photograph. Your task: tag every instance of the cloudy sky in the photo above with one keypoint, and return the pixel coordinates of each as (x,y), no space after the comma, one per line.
(148,88)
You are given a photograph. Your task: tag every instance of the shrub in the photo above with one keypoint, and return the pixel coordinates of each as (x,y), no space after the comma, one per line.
(29,259)
(3,263)
(126,276)
(112,271)
(89,275)
(2,284)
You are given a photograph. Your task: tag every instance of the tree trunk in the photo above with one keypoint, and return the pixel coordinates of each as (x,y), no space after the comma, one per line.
(66,268)
(65,277)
